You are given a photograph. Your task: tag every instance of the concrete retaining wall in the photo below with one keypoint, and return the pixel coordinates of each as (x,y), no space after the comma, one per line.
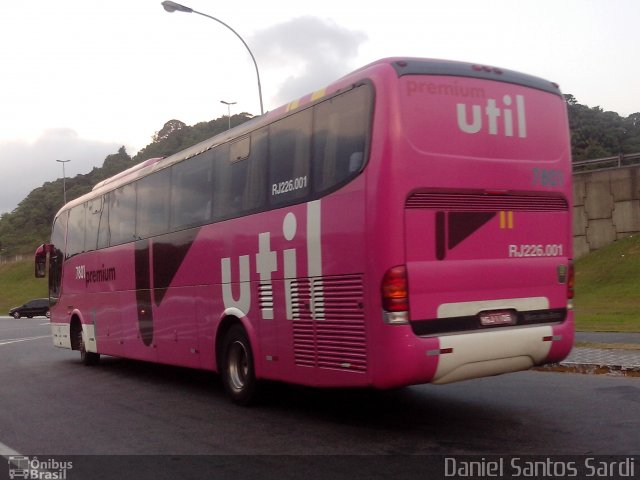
(606,207)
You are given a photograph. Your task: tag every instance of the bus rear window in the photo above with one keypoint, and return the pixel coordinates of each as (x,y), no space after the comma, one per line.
(482,118)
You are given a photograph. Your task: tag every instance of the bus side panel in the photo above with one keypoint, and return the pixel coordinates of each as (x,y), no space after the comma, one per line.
(296,276)
(328,333)
(208,306)
(305,295)
(108,324)
(175,327)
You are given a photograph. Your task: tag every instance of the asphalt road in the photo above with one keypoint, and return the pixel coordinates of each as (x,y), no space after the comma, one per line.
(53,405)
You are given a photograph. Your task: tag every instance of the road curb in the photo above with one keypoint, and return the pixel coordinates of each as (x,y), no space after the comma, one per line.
(591,369)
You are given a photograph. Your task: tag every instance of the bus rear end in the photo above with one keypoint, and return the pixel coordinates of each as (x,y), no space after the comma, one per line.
(481,170)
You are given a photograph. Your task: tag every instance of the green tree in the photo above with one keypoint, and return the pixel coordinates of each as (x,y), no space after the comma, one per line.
(168,130)
(596,133)
(175,136)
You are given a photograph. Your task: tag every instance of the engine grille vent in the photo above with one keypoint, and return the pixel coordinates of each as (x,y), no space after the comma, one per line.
(328,323)
(470,202)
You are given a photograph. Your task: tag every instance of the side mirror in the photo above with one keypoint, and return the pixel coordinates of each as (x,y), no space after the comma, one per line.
(41,260)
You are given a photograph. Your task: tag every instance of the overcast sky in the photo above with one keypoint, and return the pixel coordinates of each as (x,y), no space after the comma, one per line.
(80,78)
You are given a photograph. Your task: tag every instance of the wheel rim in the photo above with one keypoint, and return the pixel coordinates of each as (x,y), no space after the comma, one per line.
(238,366)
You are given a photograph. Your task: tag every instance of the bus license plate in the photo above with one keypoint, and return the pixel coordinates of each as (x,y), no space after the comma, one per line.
(497,317)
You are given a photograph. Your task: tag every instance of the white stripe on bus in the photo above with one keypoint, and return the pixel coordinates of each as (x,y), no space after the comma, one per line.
(465,309)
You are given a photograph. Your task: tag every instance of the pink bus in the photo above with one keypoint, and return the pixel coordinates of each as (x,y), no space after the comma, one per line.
(409,223)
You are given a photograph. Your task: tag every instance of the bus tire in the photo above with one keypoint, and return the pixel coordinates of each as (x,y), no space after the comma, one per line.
(238,368)
(87,358)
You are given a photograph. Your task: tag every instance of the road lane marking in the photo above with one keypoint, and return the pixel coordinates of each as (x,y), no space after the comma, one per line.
(5,450)
(16,340)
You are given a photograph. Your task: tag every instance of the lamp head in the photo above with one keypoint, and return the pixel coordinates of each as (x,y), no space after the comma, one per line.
(175,7)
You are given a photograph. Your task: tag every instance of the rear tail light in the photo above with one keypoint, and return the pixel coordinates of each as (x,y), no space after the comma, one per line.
(566,276)
(395,295)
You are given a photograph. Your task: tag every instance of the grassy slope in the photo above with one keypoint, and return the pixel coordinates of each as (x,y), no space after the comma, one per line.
(607,287)
(18,284)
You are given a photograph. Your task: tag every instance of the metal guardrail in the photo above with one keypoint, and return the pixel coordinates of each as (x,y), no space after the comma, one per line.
(11,258)
(622,160)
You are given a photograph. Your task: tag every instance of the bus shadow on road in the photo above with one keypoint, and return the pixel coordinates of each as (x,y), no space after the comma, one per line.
(438,418)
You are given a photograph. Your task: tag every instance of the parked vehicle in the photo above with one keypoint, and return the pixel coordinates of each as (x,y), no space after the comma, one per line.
(33,308)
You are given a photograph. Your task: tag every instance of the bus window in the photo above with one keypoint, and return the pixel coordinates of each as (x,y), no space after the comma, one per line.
(192,192)
(239,183)
(220,160)
(103,227)
(122,214)
(254,185)
(340,138)
(93,214)
(152,211)
(289,152)
(75,237)
(240,150)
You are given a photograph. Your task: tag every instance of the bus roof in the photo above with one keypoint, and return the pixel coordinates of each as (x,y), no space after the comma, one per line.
(417,66)
(401,65)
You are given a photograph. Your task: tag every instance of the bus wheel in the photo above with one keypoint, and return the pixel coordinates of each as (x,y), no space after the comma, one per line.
(238,372)
(87,358)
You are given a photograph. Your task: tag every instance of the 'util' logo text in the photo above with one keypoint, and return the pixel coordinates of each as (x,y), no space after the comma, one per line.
(269,261)
(499,118)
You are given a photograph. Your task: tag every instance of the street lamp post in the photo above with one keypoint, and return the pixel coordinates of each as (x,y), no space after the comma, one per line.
(228,104)
(64,180)
(176,7)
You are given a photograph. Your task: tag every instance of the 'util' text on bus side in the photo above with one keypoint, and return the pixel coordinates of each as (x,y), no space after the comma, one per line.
(266,263)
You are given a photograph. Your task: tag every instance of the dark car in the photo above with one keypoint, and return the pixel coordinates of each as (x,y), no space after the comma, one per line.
(33,308)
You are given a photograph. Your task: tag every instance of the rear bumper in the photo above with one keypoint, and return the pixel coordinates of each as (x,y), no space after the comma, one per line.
(486,353)
(451,358)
